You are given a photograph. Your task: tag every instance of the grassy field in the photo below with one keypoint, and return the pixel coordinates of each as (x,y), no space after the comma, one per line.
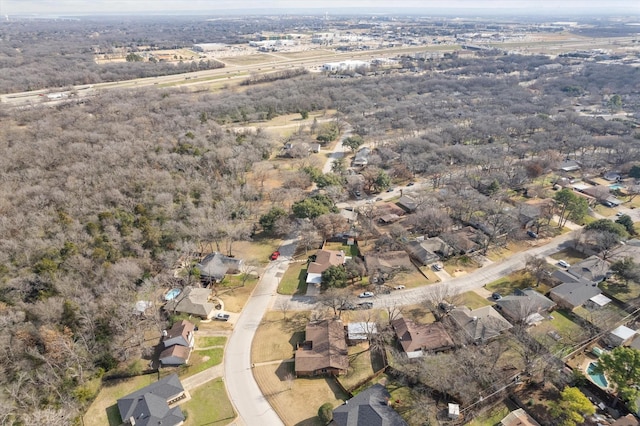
(200,361)
(234,297)
(472,300)
(570,333)
(360,367)
(254,59)
(276,337)
(296,400)
(258,250)
(207,341)
(209,405)
(294,279)
(569,255)
(103,410)
(620,290)
(491,417)
(410,279)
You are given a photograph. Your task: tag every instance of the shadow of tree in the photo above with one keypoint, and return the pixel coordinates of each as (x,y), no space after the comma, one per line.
(284,370)
(313,421)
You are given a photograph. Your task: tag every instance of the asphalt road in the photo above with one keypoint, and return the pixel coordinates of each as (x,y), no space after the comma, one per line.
(451,287)
(244,393)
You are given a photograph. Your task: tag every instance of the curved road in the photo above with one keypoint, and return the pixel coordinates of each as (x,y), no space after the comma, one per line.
(244,393)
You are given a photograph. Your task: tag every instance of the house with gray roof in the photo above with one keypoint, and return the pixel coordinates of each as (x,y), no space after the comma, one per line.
(177,343)
(592,268)
(408,203)
(193,301)
(480,325)
(362,157)
(216,265)
(524,306)
(420,253)
(371,407)
(154,404)
(573,291)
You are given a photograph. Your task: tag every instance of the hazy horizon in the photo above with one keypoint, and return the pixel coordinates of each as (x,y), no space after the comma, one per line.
(239,7)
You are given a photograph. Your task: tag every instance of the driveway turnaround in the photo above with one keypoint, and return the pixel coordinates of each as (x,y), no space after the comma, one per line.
(244,393)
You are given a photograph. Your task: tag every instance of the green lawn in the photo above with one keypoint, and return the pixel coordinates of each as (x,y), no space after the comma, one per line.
(348,250)
(517,280)
(294,279)
(569,255)
(201,360)
(562,324)
(207,341)
(492,417)
(209,405)
(472,300)
(620,290)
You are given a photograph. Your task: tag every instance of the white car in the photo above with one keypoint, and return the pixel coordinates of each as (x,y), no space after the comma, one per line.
(436,267)
(399,287)
(365,295)
(563,263)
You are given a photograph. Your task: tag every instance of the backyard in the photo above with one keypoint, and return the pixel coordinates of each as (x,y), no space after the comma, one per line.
(360,366)
(559,334)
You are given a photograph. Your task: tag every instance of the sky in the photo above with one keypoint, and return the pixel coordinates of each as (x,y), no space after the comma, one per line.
(42,7)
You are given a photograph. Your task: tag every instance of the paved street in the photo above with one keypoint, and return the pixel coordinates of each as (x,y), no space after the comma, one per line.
(244,393)
(453,286)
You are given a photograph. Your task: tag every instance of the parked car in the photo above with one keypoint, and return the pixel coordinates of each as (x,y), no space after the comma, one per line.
(366,294)
(347,307)
(436,267)
(411,183)
(399,287)
(357,193)
(563,264)
(496,296)
(532,234)
(389,189)
(379,199)
(221,317)
(619,214)
(365,305)
(275,255)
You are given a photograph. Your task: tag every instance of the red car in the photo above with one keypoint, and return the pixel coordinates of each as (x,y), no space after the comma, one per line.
(275,255)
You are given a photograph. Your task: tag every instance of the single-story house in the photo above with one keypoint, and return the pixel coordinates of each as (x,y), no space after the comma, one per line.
(522,306)
(420,253)
(152,405)
(418,339)
(175,355)
(592,268)
(569,166)
(518,417)
(612,176)
(192,301)
(350,215)
(371,407)
(314,147)
(466,240)
(388,219)
(573,291)
(360,331)
(387,209)
(180,334)
(324,260)
(216,265)
(362,157)
(408,203)
(437,246)
(480,325)
(324,350)
(620,336)
(387,262)
(177,343)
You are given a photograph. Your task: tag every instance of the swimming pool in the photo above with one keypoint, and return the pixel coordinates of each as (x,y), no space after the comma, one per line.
(172,294)
(598,379)
(616,186)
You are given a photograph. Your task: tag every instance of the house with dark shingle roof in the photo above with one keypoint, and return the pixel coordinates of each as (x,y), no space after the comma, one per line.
(152,405)
(324,350)
(480,325)
(177,343)
(420,253)
(592,268)
(216,265)
(368,408)
(524,306)
(418,339)
(573,291)
(193,301)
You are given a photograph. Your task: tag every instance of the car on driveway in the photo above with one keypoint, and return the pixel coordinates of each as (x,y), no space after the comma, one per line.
(275,255)
(563,264)
(619,214)
(532,234)
(365,295)
(221,317)
(436,267)
(496,296)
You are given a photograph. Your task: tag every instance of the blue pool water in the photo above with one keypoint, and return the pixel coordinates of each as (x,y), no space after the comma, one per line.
(598,379)
(616,186)
(172,294)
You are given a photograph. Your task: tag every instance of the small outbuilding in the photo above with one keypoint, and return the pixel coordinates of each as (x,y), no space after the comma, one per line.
(621,336)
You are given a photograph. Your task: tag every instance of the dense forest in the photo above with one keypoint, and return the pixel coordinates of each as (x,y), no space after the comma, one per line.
(101,197)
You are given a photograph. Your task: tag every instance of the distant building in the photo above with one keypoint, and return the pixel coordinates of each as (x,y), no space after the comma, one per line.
(344,66)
